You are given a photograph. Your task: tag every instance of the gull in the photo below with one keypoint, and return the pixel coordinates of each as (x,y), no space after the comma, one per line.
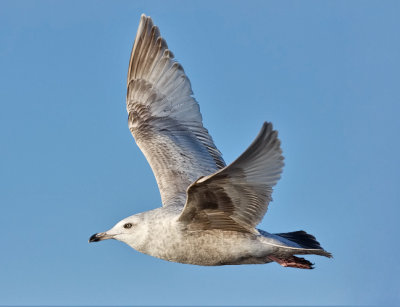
(210,210)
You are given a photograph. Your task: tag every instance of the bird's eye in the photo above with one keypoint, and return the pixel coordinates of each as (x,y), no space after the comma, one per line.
(128,225)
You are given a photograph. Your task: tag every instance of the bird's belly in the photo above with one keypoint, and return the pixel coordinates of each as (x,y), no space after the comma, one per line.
(210,247)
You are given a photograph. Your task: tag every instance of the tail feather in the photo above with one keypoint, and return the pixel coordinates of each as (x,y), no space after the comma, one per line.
(306,241)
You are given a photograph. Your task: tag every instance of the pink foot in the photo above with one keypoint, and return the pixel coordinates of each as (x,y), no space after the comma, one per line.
(292,262)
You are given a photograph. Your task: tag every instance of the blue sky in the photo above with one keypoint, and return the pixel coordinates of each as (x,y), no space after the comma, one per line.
(325,73)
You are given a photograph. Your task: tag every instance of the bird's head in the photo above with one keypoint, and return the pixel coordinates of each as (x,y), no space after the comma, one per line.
(130,230)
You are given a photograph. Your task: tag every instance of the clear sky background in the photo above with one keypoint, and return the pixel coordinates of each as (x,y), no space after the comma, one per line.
(326,73)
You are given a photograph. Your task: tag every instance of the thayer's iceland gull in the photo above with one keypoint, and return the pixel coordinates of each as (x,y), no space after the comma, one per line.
(209,210)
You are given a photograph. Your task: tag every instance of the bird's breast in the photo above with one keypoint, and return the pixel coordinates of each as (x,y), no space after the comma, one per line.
(174,243)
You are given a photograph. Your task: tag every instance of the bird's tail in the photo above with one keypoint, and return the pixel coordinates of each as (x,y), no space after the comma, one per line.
(309,244)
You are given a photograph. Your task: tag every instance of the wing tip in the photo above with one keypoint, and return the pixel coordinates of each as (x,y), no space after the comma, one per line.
(144,18)
(267,133)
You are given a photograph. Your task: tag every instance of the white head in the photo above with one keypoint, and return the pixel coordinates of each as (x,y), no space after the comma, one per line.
(131,230)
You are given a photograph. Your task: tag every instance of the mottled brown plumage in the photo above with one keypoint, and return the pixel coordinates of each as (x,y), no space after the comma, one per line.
(210,211)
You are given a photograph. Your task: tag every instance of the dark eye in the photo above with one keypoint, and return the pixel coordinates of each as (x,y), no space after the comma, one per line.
(128,225)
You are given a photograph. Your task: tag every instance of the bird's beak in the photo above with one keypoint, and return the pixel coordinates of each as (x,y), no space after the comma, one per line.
(100,237)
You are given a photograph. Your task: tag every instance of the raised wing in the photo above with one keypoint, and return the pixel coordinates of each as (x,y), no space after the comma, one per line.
(165,119)
(236,197)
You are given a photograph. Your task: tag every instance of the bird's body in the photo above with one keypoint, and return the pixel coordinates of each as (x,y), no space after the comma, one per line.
(161,235)
(166,238)
(210,210)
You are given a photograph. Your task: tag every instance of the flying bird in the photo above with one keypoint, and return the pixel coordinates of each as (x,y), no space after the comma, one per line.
(210,210)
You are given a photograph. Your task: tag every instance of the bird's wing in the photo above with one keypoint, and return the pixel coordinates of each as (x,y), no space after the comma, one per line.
(237,196)
(165,119)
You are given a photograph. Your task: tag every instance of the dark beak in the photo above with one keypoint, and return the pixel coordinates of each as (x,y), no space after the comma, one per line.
(99,237)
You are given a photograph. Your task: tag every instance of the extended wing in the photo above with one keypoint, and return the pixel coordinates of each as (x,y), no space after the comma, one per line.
(236,197)
(165,119)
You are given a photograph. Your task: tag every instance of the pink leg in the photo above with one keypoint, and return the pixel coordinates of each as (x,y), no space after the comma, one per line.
(292,262)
